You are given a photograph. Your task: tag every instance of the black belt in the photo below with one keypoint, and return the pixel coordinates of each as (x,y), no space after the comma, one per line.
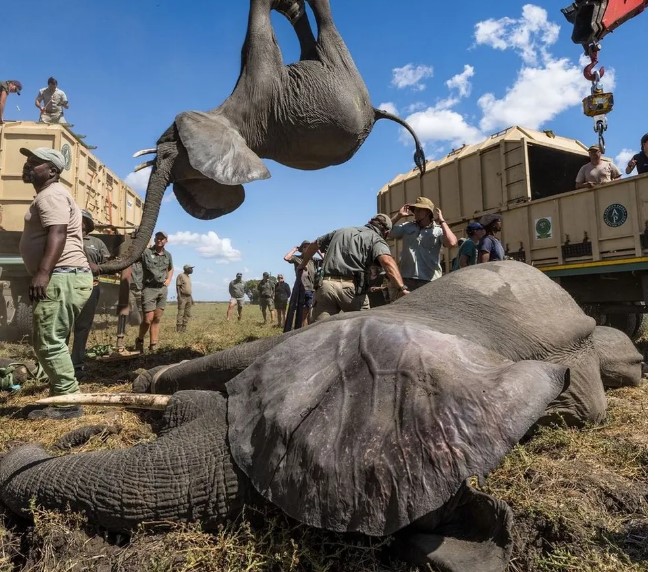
(71,270)
(157,285)
(337,278)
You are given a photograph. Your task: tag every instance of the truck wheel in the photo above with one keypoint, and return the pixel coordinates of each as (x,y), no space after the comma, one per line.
(627,323)
(23,319)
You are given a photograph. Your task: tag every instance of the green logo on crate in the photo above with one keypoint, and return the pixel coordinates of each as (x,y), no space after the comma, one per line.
(66,152)
(544,228)
(615,215)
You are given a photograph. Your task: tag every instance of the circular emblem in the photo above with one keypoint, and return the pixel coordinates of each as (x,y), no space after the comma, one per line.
(615,215)
(543,227)
(66,152)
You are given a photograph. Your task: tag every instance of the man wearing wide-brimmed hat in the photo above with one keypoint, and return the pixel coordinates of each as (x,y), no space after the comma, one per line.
(597,171)
(51,247)
(422,241)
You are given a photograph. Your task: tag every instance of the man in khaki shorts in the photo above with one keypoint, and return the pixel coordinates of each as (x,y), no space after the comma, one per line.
(349,255)
(157,265)
(52,250)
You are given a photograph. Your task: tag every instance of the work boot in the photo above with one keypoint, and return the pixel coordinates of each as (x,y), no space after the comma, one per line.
(138,345)
(56,413)
(153,348)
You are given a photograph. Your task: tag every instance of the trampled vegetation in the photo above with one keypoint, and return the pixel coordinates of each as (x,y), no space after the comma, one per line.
(579,496)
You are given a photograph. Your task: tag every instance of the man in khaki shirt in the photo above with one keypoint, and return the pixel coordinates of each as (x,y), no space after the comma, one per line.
(51,247)
(184,298)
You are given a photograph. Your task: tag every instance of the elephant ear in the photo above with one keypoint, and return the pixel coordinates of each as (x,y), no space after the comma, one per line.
(367,423)
(217,150)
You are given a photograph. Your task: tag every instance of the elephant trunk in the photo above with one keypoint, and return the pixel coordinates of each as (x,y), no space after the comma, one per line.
(187,474)
(159,179)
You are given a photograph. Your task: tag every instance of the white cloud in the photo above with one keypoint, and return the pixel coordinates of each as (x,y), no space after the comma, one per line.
(208,245)
(437,124)
(139,181)
(411,75)
(461,82)
(621,160)
(537,96)
(389,107)
(530,36)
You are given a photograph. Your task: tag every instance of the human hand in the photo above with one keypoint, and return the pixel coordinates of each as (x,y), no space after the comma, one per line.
(438,217)
(95,269)
(38,286)
(405,210)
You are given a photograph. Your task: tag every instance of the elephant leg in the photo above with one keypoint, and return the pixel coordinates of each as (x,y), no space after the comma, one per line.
(472,533)
(260,54)
(186,475)
(330,44)
(306,38)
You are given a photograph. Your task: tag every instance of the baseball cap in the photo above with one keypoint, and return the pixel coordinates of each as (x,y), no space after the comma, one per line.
(266,274)
(187,267)
(423,203)
(280,276)
(162,233)
(18,85)
(304,243)
(46,154)
(239,275)
(472,226)
(87,215)
(593,148)
(383,220)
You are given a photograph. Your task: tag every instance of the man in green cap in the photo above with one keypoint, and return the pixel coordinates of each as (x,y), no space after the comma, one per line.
(52,250)
(266,289)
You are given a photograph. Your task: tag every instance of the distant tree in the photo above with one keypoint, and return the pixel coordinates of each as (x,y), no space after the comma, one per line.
(251,291)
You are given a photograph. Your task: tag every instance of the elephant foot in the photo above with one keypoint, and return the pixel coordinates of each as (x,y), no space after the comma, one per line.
(293,10)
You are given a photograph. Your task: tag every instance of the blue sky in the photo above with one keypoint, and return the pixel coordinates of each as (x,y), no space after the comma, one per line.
(457,72)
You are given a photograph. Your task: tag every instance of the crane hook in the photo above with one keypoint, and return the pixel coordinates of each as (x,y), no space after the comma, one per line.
(592,51)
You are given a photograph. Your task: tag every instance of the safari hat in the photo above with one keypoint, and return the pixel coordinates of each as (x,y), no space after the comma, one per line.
(486,220)
(423,203)
(46,154)
(87,215)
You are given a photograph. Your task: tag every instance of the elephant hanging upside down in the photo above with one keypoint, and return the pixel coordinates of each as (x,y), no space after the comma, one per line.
(308,115)
(368,421)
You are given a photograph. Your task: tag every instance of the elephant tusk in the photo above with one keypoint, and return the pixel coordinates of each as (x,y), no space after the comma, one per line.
(140,401)
(144,152)
(144,165)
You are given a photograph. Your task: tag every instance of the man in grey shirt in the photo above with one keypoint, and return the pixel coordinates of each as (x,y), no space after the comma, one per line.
(237,289)
(349,254)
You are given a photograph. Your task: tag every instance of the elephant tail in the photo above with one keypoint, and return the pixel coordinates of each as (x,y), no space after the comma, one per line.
(419,155)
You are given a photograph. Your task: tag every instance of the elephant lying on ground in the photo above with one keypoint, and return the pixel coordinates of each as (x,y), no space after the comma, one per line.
(368,421)
(308,115)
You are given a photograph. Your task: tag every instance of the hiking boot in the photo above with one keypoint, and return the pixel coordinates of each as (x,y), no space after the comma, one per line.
(138,345)
(153,348)
(56,413)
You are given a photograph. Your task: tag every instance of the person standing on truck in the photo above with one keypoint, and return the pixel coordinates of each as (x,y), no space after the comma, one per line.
(184,298)
(490,248)
(51,102)
(640,160)
(96,253)
(349,254)
(157,265)
(237,289)
(420,259)
(467,255)
(52,249)
(597,171)
(7,87)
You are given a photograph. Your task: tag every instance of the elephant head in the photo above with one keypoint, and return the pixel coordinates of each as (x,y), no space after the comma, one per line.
(308,115)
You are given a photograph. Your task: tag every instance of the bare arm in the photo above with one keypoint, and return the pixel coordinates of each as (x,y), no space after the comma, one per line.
(584,185)
(402,213)
(463,261)
(308,254)
(484,256)
(289,255)
(449,239)
(3,100)
(393,273)
(54,246)
(37,102)
(169,277)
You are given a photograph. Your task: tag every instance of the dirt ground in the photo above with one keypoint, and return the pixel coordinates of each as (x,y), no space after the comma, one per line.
(579,496)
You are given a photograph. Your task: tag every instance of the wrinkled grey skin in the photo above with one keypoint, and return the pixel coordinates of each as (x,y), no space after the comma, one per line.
(375,433)
(308,115)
